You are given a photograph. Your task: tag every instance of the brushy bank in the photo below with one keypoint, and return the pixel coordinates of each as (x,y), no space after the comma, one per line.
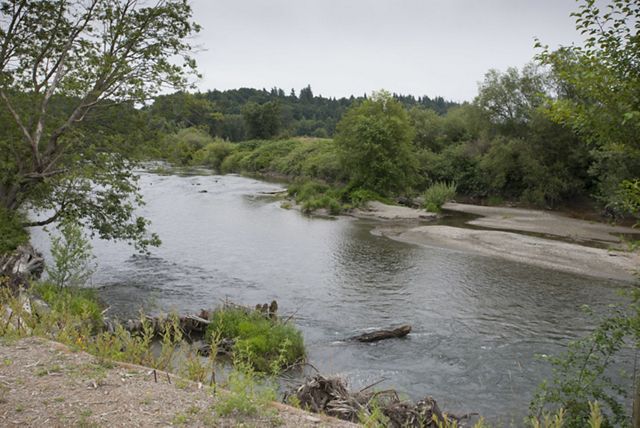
(74,317)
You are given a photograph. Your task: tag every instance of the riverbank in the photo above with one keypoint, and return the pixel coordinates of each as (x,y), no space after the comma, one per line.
(44,383)
(511,242)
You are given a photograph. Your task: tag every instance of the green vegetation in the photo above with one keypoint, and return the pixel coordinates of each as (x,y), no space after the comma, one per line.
(264,343)
(583,375)
(72,257)
(374,145)
(438,194)
(12,234)
(60,155)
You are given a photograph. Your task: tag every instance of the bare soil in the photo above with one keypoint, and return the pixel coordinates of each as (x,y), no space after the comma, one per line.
(43,383)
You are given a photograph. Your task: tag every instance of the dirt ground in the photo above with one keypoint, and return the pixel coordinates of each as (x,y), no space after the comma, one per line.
(43,383)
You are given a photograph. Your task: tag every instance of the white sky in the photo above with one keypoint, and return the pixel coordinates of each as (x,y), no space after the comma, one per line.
(344,47)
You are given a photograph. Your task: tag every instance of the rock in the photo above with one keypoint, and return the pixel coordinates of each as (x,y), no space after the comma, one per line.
(40,307)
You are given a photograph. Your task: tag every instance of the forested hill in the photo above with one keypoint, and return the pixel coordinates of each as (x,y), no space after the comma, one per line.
(245,113)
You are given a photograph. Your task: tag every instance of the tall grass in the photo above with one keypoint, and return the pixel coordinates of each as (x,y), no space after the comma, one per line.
(438,194)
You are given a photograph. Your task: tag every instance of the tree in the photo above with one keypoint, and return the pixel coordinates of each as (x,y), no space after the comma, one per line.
(60,61)
(601,88)
(262,120)
(374,142)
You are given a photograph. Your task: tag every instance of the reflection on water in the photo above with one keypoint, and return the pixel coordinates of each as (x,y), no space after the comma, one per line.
(477,322)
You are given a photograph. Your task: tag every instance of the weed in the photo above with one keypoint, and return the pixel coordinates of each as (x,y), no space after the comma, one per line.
(437,194)
(271,342)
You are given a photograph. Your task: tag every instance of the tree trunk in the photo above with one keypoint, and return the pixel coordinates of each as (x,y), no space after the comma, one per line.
(377,335)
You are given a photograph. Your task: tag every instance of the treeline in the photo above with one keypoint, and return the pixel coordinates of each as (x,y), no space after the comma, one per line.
(505,146)
(245,113)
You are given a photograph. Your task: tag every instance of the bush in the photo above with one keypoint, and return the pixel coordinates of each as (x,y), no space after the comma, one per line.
(270,343)
(213,154)
(437,194)
(72,257)
(182,146)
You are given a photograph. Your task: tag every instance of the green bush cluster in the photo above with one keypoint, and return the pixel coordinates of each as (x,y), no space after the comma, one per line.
(270,344)
(437,194)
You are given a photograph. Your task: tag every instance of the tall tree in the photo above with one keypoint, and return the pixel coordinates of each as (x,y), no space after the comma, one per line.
(59,61)
(262,120)
(601,88)
(374,140)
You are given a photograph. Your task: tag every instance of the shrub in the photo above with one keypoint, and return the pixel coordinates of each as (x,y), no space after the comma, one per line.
(437,194)
(72,257)
(266,340)
(213,154)
(182,146)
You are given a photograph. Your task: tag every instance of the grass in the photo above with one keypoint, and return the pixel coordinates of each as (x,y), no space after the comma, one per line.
(437,194)
(268,344)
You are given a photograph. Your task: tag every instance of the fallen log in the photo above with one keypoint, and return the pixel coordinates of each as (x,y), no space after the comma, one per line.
(377,335)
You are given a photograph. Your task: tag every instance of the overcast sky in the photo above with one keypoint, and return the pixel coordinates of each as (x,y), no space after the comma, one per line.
(344,47)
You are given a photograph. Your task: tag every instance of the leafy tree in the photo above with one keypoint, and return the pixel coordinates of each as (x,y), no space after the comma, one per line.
(601,88)
(60,62)
(374,143)
(511,97)
(262,121)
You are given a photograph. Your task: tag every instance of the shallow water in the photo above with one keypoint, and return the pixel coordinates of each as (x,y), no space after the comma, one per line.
(478,322)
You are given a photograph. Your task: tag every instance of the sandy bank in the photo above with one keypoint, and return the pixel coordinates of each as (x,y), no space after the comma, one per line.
(545,253)
(544,222)
(378,210)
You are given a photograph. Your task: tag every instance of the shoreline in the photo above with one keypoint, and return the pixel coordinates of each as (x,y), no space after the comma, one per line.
(511,242)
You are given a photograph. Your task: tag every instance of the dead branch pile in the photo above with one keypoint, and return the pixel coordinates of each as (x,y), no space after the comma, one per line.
(331,396)
(19,266)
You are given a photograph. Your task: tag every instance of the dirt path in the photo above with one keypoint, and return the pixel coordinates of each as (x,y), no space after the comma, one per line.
(43,383)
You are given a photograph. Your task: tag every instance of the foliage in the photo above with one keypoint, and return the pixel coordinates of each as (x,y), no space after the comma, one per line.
(72,257)
(213,154)
(306,114)
(81,303)
(262,121)
(600,84)
(244,395)
(60,63)
(582,375)
(266,340)
(184,147)
(374,143)
(12,234)
(437,194)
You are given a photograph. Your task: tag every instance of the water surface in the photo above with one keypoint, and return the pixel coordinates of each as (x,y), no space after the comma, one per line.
(478,322)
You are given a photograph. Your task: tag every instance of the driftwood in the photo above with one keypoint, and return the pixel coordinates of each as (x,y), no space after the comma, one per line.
(377,335)
(21,265)
(331,396)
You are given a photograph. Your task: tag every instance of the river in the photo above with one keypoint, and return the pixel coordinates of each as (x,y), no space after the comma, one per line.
(478,322)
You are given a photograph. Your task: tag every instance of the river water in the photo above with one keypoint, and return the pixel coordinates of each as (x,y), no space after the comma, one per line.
(478,322)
